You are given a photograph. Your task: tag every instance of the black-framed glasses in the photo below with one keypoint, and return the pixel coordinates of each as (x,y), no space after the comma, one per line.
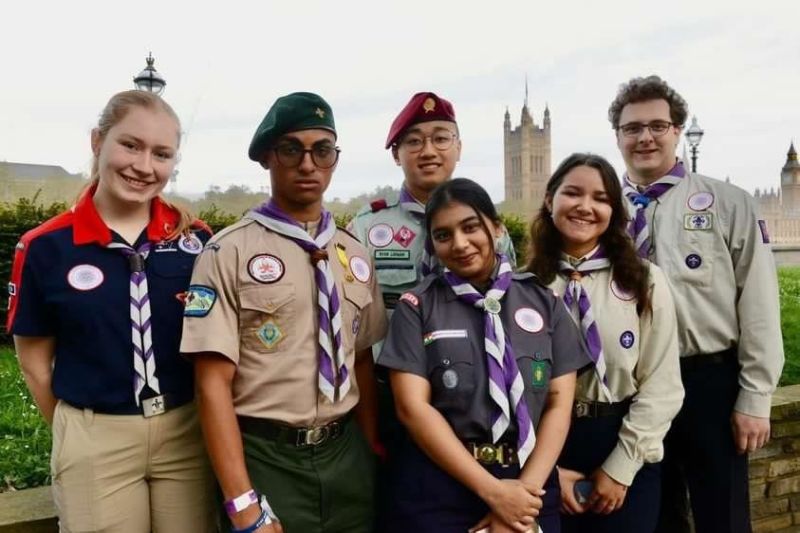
(324,155)
(440,139)
(634,129)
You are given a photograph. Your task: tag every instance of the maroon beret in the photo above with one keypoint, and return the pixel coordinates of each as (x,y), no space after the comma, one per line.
(423,107)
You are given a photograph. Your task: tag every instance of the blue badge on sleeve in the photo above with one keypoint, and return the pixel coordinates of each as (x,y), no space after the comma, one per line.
(199,300)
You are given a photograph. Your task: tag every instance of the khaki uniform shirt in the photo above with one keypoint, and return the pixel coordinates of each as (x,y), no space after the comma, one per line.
(714,250)
(269,329)
(642,364)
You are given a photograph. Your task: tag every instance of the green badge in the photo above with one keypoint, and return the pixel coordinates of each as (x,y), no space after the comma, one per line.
(269,334)
(539,374)
(698,221)
(397,255)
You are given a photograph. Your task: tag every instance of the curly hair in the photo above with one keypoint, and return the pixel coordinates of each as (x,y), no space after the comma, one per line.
(643,90)
(546,243)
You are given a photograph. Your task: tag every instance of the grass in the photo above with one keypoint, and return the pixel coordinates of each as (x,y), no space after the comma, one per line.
(25,438)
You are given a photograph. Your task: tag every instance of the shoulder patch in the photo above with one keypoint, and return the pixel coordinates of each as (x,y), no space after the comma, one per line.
(377,205)
(199,300)
(411,298)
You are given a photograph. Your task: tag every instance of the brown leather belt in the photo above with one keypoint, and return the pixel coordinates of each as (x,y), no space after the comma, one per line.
(300,437)
(581,409)
(694,362)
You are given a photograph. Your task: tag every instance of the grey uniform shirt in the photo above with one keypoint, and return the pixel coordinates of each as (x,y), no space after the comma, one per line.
(715,253)
(435,335)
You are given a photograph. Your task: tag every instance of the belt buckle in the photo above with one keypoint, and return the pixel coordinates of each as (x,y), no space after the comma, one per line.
(313,436)
(154,406)
(486,454)
(581,409)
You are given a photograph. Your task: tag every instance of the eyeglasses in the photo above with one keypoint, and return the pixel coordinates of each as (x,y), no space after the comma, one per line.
(441,141)
(324,155)
(634,129)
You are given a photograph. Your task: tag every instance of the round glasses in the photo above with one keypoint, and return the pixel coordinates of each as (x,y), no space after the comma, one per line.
(634,129)
(323,155)
(441,141)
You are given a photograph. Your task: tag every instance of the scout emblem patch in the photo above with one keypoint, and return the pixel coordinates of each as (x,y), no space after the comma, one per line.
(443,334)
(700,201)
(380,235)
(389,255)
(539,373)
(693,261)
(450,378)
(191,244)
(697,221)
(269,334)
(529,319)
(620,293)
(762,225)
(360,268)
(626,339)
(85,277)
(265,268)
(404,236)
(199,300)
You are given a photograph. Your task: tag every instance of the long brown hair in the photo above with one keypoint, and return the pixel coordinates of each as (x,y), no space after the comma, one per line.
(629,271)
(116,110)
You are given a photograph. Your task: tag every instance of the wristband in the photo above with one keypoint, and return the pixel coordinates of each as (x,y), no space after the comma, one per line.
(241,502)
(262,520)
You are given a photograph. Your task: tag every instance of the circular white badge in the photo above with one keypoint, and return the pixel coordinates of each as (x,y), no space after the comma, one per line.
(620,293)
(380,235)
(360,268)
(85,277)
(265,268)
(529,319)
(700,201)
(190,245)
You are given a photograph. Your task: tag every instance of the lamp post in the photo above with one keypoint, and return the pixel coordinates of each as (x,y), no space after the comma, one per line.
(149,79)
(694,135)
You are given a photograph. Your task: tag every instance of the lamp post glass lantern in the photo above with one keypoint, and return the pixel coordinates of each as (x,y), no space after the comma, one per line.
(149,79)
(694,135)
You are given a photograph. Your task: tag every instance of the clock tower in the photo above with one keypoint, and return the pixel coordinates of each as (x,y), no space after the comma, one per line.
(790,184)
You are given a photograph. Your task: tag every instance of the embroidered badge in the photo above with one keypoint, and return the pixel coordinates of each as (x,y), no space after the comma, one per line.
(360,269)
(265,268)
(269,334)
(693,261)
(165,246)
(429,105)
(410,298)
(626,339)
(443,334)
(450,378)
(529,319)
(392,255)
(697,221)
(404,236)
(356,323)
(700,201)
(20,246)
(621,293)
(85,277)
(380,235)
(762,225)
(191,244)
(12,289)
(211,246)
(199,300)
(539,373)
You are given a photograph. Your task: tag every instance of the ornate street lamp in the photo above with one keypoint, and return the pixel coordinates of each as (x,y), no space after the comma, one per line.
(694,135)
(149,79)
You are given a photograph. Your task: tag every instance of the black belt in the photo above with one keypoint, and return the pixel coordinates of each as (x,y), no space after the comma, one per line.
(694,362)
(149,407)
(581,409)
(502,454)
(300,437)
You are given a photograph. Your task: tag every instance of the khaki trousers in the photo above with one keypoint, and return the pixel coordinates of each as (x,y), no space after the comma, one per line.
(130,474)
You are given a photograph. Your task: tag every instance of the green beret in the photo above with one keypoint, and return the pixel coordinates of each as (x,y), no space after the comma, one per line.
(293,112)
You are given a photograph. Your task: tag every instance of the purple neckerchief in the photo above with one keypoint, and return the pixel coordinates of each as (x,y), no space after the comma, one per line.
(333,375)
(505,380)
(575,296)
(638,202)
(428,263)
(144,361)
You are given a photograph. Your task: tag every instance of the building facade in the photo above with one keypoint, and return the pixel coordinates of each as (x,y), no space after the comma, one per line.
(781,208)
(526,164)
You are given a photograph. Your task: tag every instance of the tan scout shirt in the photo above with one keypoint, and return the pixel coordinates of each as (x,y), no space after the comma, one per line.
(729,298)
(647,371)
(270,328)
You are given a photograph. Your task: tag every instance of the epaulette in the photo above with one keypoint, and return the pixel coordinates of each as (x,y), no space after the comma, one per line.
(377,205)
(342,228)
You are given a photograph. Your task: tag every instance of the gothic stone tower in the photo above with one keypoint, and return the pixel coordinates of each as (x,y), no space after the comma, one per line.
(527,158)
(790,184)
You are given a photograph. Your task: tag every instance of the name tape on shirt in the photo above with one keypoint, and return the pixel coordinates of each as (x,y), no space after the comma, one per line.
(392,255)
(199,300)
(443,334)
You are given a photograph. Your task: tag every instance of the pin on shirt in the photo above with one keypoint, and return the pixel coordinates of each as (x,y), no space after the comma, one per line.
(404,236)
(529,319)
(380,235)
(85,277)
(700,201)
(265,268)
(627,339)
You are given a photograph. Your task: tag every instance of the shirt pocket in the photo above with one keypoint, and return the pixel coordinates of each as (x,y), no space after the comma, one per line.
(267,317)
(451,373)
(692,256)
(175,265)
(356,298)
(395,279)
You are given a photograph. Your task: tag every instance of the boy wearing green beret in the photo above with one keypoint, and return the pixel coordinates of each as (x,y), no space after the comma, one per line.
(280,317)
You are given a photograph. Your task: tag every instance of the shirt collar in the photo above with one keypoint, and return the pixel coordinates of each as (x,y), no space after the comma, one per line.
(88,227)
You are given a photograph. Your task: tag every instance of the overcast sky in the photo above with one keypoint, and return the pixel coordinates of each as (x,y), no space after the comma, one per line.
(226,62)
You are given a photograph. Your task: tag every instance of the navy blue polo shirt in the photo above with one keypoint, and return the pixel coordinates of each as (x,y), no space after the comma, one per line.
(68,285)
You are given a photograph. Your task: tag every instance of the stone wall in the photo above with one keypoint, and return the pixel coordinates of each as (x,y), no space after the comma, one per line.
(775,469)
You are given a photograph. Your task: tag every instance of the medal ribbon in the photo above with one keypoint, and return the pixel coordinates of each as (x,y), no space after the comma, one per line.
(506,385)
(577,300)
(144,361)
(428,263)
(333,375)
(638,202)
